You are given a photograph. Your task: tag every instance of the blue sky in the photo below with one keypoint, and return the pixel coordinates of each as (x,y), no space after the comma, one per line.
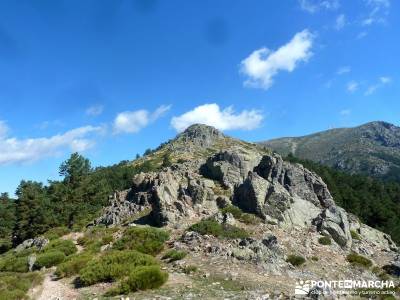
(112,78)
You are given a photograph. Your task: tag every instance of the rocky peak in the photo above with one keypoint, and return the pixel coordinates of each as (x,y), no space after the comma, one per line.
(201,135)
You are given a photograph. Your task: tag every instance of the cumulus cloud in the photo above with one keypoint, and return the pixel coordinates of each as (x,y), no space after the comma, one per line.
(262,65)
(313,6)
(343,70)
(14,150)
(95,110)
(340,22)
(352,86)
(134,121)
(382,81)
(223,119)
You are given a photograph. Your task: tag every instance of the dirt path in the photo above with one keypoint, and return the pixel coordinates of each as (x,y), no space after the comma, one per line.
(53,290)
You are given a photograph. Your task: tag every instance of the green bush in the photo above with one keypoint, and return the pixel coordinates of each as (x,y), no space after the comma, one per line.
(5,245)
(65,246)
(189,269)
(314,258)
(359,260)
(296,260)
(49,259)
(114,265)
(13,263)
(141,278)
(214,228)
(57,232)
(173,255)
(14,286)
(325,240)
(238,214)
(73,265)
(355,235)
(148,240)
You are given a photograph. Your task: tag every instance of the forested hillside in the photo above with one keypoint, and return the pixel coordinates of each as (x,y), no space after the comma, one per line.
(71,202)
(375,202)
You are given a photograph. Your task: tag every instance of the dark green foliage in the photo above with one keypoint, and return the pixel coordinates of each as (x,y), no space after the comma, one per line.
(375,202)
(355,235)
(49,259)
(214,228)
(238,214)
(296,260)
(7,221)
(114,265)
(65,246)
(166,160)
(70,203)
(359,260)
(33,211)
(148,240)
(325,240)
(314,258)
(73,265)
(141,278)
(14,286)
(148,151)
(174,255)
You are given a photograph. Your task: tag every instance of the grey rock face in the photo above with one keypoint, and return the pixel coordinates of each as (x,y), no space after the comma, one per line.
(38,242)
(31,262)
(230,167)
(201,135)
(333,221)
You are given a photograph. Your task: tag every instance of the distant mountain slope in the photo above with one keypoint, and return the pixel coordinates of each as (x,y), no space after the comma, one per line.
(371,149)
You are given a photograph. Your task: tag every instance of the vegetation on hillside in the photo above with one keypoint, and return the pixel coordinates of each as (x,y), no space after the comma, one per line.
(375,202)
(67,204)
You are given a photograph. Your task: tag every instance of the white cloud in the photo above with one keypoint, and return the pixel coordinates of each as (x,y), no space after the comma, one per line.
(263,64)
(361,35)
(94,110)
(343,70)
(345,112)
(134,121)
(378,11)
(352,86)
(340,22)
(225,119)
(383,80)
(313,6)
(14,150)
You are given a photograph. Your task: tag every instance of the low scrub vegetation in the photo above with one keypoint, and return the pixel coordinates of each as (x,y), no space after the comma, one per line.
(96,237)
(57,232)
(140,278)
(296,260)
(65,246)
(114,265)
(238,214)
(359,260)
(189,269)
(148,240)
(214,228)
(325,240)
(355,235)
(174,255)
(13,263)
(14,286)
(49,259)
(73,265)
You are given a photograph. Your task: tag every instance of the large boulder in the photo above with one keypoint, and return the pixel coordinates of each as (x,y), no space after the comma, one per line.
(333,221)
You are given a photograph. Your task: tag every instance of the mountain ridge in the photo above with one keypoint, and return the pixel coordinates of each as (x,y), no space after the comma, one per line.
(370,149)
